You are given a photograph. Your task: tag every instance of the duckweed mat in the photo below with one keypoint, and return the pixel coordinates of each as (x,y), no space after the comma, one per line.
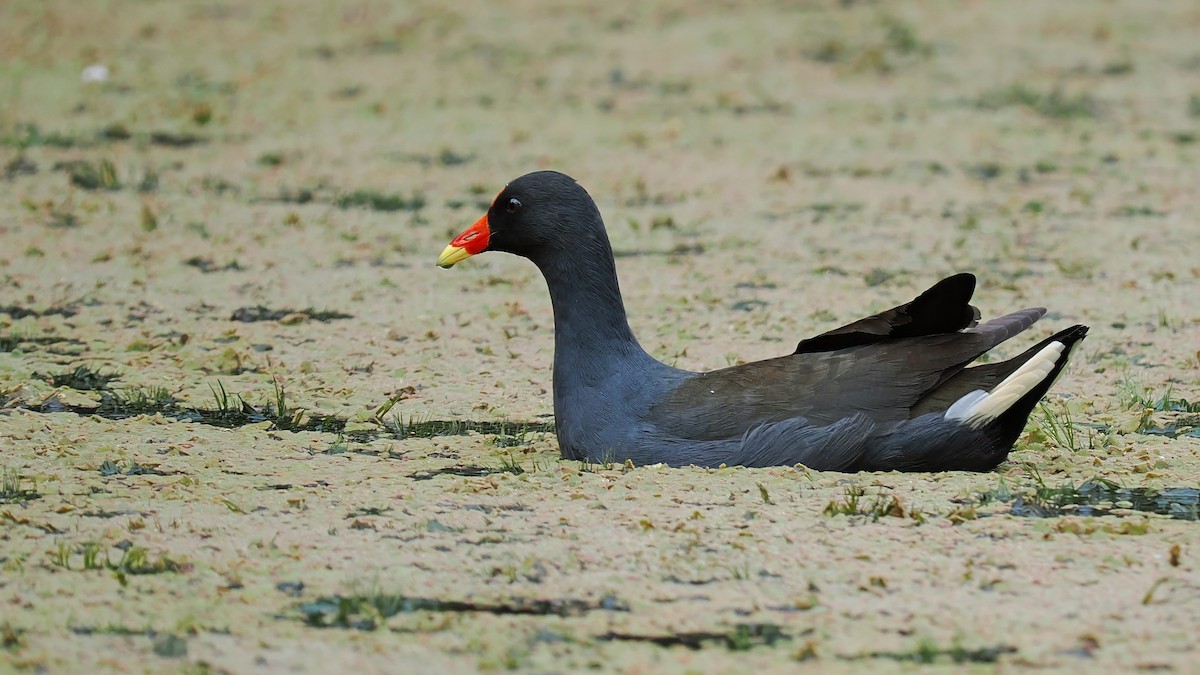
(246,425)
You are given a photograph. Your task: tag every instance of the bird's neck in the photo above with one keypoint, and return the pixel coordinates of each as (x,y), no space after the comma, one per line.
(590,324)
(595,352)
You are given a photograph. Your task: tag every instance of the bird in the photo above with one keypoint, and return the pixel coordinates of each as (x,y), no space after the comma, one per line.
(895,391)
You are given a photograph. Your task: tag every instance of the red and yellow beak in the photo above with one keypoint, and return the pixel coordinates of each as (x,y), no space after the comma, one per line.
(473,240)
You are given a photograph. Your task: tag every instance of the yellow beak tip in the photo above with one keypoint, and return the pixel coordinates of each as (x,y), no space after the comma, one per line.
(451,255)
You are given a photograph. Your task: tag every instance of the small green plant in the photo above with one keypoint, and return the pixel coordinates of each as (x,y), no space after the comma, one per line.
(338,446)
(363,612)
(1135,396)
(508,433)
(1058,426)
(102,176)
(1121,66)
(415,427)
(589,466)
(897,46)
(10,637)
(1132,395)
(62,555)
(29,135)
(176,140)
(139,400)
(83,377)
(284,417)
(763,494)
(509,464)
(227,404)
(134,560)
(148,219)
(1168,403)
(91,555)
(984,171)
(512,438)
(1054,104)
(854,504)
(281,407)
(1097,495)
(18,166)
(109,468)
(114,132)
(901,38)
(377,201)
(745,636)
(928,652)
(1001,493)
(849,505)
(368,608)
(13,340)
(289,419)
(170,646)
(1137,211)
(10,487)
(198,228)
(148,182)
(387,406)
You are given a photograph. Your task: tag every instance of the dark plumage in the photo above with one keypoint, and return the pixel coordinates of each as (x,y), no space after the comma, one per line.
(888,392)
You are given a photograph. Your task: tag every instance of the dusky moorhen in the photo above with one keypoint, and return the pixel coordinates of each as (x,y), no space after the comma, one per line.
(888,392)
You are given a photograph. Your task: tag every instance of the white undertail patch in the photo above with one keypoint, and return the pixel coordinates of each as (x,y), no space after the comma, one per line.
(978,408)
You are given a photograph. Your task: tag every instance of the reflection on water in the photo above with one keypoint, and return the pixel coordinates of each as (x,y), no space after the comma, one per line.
(1101,498)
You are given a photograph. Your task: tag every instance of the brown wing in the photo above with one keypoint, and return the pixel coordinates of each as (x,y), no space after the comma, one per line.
(944,308)
(883,380)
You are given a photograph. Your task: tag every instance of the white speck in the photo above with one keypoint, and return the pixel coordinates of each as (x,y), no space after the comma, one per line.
(712,391)
(97,72)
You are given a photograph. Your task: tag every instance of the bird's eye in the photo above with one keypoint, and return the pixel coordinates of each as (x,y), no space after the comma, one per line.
(513,205)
